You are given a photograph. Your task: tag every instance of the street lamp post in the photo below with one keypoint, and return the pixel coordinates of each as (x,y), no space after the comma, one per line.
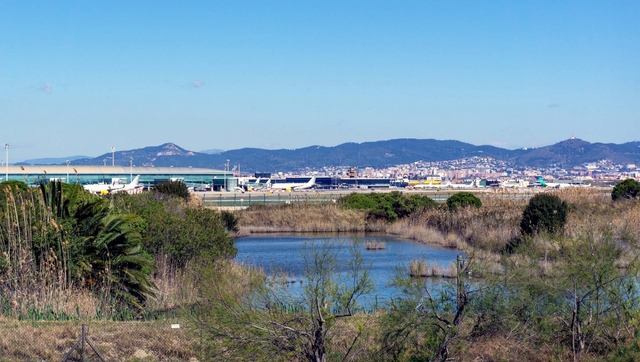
(113,156)
(68,170)
(6,148)
(226,167)
(130,169)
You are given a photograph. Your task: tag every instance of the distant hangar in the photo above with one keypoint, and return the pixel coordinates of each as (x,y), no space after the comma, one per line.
(149,176)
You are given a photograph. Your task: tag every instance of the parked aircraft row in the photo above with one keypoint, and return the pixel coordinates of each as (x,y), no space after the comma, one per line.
(116,186)
(269,185)
(449,185)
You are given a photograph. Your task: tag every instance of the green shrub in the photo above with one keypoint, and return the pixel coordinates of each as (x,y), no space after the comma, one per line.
(389,206)
(463,199)
(627,189)
(544,213)
(181,233)
(230,221)
(16,185)
(173,188)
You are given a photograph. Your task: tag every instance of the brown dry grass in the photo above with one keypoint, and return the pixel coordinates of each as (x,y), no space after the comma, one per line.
(490,227)
(116,341)
(300,217)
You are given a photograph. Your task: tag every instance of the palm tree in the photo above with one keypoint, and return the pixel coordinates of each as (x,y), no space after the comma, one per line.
(114,260)
(107,253)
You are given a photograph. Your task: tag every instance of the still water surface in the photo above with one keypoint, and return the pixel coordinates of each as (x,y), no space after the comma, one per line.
(283,253)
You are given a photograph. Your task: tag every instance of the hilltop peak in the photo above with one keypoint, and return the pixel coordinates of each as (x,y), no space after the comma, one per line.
(171,149)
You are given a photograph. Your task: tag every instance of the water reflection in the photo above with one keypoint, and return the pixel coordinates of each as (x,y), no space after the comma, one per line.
(283,253)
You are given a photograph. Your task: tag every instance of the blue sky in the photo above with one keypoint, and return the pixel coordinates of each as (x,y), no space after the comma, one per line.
(80,77)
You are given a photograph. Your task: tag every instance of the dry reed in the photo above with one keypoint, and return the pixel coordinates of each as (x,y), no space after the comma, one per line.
(375,245)
(419,268)
(300,217)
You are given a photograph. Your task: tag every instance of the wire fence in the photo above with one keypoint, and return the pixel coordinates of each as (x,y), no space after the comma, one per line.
(242,200)
(161,340)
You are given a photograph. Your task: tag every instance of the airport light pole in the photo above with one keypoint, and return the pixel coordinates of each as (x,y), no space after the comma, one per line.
(226,167)
(113,156)
(68,170)
(130,168)
(6,148)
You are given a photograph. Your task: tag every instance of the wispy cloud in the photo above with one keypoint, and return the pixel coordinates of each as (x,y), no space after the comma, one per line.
(197,84)
(553,105)
(46,88)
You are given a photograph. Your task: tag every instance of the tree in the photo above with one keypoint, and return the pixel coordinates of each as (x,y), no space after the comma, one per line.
(422,325)
(627,189)
(389,206)
(182,233)
(173,188)
(115,262)
(264,319)
(586,298)
(463,199)
(544,213)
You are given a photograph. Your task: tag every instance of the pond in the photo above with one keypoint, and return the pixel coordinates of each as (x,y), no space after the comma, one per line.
(283,253)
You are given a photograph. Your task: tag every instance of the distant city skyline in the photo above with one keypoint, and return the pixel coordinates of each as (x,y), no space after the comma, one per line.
(80,78)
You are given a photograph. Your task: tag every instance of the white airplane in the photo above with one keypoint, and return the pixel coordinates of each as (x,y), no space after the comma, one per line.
(116,184)
(472,185)
(555,185)
(514,184)
(292,186)
(448,185)
(128,188)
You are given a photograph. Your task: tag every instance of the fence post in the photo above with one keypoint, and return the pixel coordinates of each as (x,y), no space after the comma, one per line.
(84,337)
(459,268)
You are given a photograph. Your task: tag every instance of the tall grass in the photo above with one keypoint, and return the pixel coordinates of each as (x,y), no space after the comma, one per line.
(420,268)
(375,245)
(300,217)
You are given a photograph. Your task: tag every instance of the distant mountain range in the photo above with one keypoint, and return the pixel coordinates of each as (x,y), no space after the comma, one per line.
(50,161)
(378,154)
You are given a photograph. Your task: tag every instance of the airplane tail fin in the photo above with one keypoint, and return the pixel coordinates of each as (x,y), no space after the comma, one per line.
(542,181)
(135,181)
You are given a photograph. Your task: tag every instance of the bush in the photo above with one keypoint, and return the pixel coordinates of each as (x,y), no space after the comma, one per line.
(463,199)
(173,188)
(181,233)
(544,213)
(389,206)
(16,185)
(627,189)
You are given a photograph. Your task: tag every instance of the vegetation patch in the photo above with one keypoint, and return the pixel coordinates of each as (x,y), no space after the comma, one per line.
(389,206)
(544,213)
(463,199)
(626,190)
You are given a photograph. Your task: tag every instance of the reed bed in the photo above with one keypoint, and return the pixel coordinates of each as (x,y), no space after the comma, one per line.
(375,245)
(419,268)
(300,217)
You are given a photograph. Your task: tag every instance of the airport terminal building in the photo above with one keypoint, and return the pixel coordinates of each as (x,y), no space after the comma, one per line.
(149,176)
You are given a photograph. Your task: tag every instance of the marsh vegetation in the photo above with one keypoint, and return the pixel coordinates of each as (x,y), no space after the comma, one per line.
(528,289)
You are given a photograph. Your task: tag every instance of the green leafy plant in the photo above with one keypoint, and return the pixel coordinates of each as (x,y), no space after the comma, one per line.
(389,206)
(173,188)
(463,199)
(627,189)
(544,213)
